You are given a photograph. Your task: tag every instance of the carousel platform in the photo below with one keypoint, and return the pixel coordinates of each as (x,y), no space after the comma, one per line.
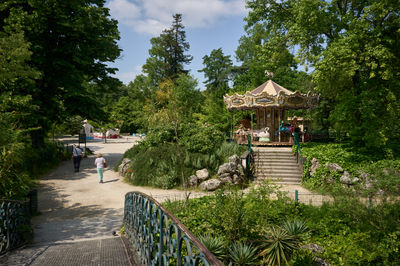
(271,144)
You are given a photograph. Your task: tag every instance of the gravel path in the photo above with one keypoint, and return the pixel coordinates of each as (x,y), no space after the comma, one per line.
(74,206)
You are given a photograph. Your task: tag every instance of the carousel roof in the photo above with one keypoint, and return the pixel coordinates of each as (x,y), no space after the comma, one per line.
(271,88)
(271,94)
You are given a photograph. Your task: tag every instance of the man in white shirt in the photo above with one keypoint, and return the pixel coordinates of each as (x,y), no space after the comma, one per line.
(77,157)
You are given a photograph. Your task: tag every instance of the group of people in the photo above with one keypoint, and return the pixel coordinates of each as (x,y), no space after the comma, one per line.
(100,162)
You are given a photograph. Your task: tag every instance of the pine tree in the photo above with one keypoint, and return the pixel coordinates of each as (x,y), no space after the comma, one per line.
(167,55)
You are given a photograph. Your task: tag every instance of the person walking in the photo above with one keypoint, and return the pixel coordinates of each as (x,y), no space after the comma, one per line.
(77,156)
(101,163)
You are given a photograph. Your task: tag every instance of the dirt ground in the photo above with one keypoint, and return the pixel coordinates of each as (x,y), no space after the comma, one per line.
(75,206)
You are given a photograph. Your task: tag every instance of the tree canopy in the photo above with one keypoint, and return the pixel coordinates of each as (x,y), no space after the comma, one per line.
(167,54)
(70,43)
(353,47)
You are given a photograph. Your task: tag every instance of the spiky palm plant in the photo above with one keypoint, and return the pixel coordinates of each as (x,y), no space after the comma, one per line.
(296,228)
(278,246)
(242,254)
(216,245)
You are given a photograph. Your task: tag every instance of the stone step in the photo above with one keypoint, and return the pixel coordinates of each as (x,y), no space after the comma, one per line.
(275,157)
(280,181)
(275,172)
(276,162)
(278,175)
(274,152)
(279,169)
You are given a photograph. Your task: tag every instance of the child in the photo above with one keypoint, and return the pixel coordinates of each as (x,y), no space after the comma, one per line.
(101,163)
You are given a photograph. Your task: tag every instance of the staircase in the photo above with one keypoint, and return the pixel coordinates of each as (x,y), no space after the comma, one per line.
(277,164)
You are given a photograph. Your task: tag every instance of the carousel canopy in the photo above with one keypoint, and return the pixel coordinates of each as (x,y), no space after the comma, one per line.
(270,94)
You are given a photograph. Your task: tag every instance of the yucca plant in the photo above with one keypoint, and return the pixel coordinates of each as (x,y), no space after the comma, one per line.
(278,246)
(296,228)
(215,244)
(242,254)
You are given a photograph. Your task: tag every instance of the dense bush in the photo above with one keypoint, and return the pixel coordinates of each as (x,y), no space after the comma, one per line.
(349,231)
(381,165)
(151,167)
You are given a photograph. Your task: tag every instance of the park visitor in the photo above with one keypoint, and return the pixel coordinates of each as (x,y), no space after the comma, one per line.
(76,157)
(101,163)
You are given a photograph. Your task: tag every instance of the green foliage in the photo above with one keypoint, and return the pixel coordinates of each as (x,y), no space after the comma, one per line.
(353,47)
(215,244)
(242,254)
(349,231)
(167,54)
(296,228)
(66,52)
(278,246)
(150,166)
(200,138)
(381,165)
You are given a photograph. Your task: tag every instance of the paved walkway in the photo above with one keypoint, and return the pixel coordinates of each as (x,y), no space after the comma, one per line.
(78,213)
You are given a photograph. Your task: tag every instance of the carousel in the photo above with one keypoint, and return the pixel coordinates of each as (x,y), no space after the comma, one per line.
(270,102)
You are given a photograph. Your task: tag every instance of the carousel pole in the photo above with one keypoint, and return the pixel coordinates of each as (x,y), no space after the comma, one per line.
(231,135)
(279,132)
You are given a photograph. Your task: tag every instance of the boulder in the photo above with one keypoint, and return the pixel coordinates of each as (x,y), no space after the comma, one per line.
(314,166)
(193,181)
(202,174)
(224,175)
(346,178)
(224,168)
(226,179)
(330,180)
(315,248)
(320,262)
(124,166)
(334,167)
(236,180)
(210,185)
(234,159)
(240,171)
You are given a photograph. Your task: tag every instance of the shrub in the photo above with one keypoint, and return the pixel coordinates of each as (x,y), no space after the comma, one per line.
(353,160)
(159,166)
(242,254)
(215,244)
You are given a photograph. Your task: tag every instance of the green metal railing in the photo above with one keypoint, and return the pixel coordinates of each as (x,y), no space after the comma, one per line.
(15,227)
(158,238)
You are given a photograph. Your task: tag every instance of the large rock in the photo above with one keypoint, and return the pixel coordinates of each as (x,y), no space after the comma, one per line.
(234,159)
(334,167)
(225,168)
(226,179)
(193,181)
(202,174)
(240,170)
(314,166)
(346,178)
(315,248)
(236,180)
(124,166)
(210,185)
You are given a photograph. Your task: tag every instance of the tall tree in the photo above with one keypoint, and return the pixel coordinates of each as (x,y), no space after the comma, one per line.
(167,55)
(71,43)
(217,70)
(354,48)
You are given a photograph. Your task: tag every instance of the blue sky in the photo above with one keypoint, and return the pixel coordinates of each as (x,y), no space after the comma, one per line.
(209,24)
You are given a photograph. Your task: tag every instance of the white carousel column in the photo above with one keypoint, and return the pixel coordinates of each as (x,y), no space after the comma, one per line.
(273,121)
(279,133)
(265,122)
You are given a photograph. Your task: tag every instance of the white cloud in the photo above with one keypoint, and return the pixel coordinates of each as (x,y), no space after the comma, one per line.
(152,16)
(124,10)
(129,76)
